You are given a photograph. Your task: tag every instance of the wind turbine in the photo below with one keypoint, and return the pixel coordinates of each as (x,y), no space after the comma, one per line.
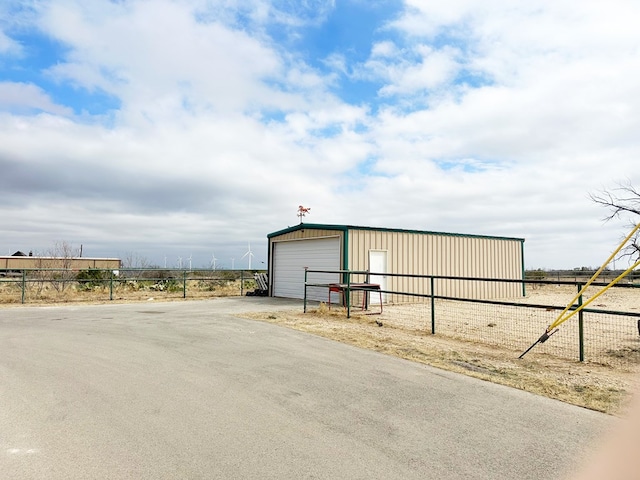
(190,256)
(232,264)
(250,254)
(180,263)
(213,261)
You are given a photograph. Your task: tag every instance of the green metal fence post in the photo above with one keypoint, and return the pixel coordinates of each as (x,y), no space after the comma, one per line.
(348,299)
(304,310)
(184,284)
(580,326)
(433,307)
(111,285)
(24,284)
(241,283)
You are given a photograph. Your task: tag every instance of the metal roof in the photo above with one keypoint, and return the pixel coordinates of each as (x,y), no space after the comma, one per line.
(344,228)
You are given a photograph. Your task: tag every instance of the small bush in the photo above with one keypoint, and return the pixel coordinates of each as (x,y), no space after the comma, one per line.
(89,279)
(167,285)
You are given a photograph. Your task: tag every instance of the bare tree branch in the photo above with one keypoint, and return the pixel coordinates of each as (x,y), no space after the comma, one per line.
(620,201)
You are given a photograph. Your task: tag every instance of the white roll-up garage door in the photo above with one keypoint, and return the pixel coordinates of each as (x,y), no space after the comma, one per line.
(290,259)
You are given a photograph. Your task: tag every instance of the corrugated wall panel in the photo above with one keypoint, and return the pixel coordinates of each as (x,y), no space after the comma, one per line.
(432,254)
(305,233)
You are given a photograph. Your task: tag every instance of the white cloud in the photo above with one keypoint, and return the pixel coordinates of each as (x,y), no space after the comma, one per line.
(144,51)
(336,62)
(434,69)
(384,49)
(301,12)
(551,120)
(8,46)
(22,97)
(554,88)
(492,118)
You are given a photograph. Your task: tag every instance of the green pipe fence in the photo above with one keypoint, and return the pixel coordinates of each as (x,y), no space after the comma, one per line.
(56,285)
(607,335)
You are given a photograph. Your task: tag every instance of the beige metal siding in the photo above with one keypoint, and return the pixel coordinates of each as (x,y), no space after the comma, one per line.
(306,233)
(446,255)
(19,263)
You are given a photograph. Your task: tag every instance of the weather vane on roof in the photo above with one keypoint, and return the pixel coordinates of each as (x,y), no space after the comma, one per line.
(302,211)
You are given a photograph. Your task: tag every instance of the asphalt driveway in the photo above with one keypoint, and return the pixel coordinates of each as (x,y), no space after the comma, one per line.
(187,390)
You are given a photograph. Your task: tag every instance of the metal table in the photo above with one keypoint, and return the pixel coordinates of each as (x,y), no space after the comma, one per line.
(363,287)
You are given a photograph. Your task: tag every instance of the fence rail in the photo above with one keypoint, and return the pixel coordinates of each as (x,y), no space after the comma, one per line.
(608,333)
(56,285)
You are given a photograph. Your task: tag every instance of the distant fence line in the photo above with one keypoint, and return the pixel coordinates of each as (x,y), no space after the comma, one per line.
(69,285)
(580,275)
(603,335)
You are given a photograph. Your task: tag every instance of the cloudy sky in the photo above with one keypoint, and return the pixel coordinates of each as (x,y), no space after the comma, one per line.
(161,129)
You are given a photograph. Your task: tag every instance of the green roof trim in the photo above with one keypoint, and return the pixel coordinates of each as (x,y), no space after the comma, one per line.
(346,228)
(311,226)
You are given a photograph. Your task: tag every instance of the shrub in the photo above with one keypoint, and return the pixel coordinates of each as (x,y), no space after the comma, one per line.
(89,279)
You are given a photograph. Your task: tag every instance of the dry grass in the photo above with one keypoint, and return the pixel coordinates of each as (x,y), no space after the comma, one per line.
(594,386)
(129,291)
(609,339)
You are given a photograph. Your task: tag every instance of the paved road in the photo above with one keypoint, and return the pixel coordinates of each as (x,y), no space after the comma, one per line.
(189,391)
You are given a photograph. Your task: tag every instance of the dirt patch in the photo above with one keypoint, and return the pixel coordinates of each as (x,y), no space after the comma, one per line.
(595,386)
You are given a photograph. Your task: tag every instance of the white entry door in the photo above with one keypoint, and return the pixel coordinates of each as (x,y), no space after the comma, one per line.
(378,267)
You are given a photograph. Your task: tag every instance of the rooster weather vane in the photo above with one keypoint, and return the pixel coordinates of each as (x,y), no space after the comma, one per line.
(302,212)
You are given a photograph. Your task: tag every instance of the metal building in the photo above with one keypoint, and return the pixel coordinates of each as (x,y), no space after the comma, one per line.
(24,262)
(393,251)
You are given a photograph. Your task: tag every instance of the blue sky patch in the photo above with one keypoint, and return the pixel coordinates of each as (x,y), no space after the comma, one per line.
(469,165)
(348,32)
(41,53)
